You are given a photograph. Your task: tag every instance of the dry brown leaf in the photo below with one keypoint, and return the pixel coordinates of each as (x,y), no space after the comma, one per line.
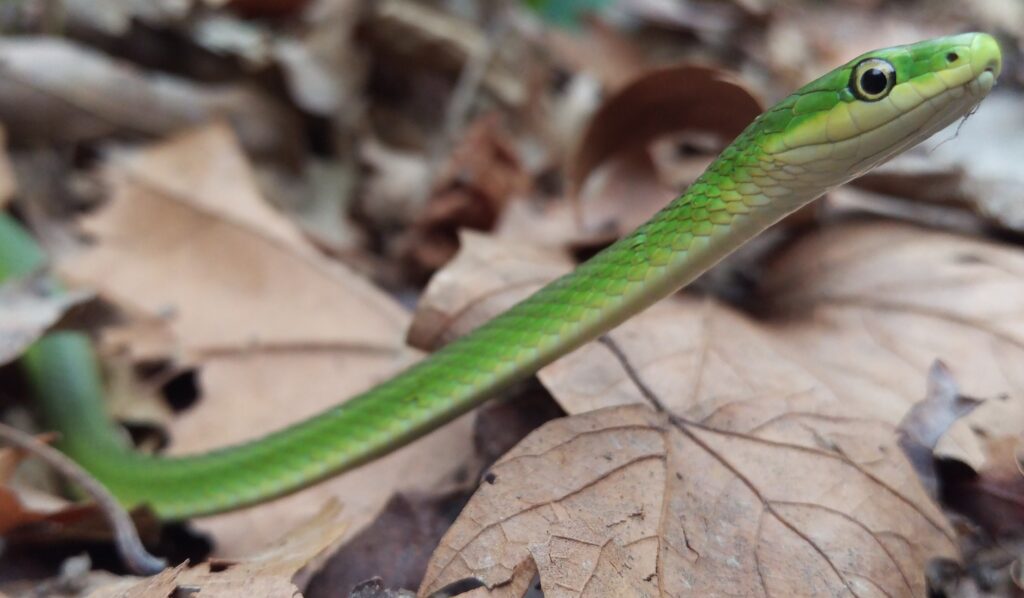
(857,314)
(280,570)
(599,50)
(28,308)
(485,278)
(246,396)
(758,498)
(854,316)
(978,170)
(868,307)
(279,332)
(115,17)
(36,516)
(20,506)
(661,102)
(186,238)
(482,175)
(928,421)
(53,90)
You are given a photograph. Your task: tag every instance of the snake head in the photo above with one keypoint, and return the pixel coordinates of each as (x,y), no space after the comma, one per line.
(877,105)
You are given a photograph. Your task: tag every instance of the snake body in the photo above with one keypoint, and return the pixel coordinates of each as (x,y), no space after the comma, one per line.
(826,133)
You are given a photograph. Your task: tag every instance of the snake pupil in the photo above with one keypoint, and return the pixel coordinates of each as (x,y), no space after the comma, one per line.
(873,81)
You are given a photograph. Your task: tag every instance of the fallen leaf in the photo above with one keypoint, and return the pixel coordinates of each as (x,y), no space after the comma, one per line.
(661,102)
(393,195)
(868,307)
(486,277)
(242,275)
(186,242)
(600,51)
(278,570)
(928,420)
(853,314)
(978,170)
(20,506)
(482,175)
(56,91)
(992,499)
(755,498)
(28,308)
(619,172)
(852,318)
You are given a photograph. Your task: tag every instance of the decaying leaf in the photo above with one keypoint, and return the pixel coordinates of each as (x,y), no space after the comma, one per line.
(282,569)
(853,317)
(854,313)
(242,274)
(661,102)
(485,278)
(928,420)
(28,308)
(775,497)
(970,164)
(482,175)
(21,506)
(870,306)
(278,332)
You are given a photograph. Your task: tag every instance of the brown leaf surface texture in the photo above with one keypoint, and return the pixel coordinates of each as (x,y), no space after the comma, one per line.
(660,102)
(759,499)
(278,332)
(788,423)
(275,571)
(187,238)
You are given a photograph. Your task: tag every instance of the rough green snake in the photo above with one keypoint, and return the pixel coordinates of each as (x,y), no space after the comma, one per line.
(825,134)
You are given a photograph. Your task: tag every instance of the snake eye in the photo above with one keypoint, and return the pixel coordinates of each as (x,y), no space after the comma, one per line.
(872,79)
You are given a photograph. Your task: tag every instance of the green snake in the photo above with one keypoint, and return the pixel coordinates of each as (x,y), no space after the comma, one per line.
(823,135)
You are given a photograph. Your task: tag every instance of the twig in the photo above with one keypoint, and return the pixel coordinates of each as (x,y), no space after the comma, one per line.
(126,538)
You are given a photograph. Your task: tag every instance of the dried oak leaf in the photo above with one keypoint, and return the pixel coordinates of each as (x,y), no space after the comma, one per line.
(854,316)
(276,331)
(761,498)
